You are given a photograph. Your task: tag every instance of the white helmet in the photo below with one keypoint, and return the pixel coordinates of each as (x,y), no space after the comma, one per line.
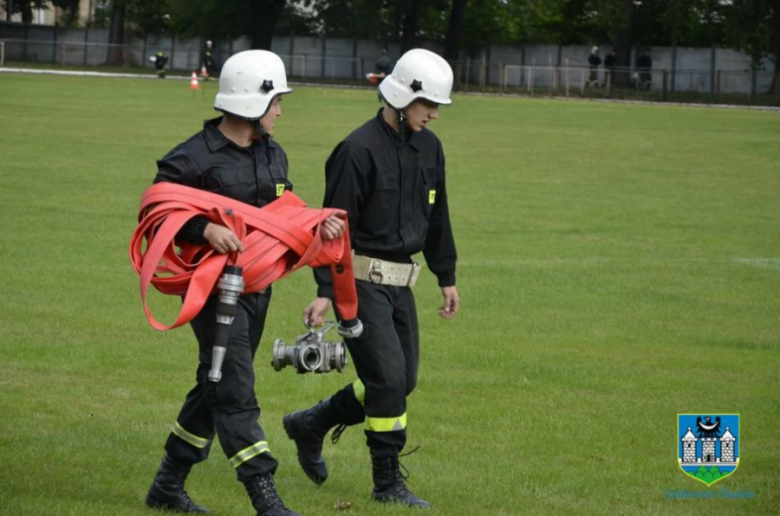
(248,83)
(419,73)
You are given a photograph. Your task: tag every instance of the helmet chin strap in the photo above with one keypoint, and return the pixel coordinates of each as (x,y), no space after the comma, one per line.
(401,123)
(264,137)
(259,129)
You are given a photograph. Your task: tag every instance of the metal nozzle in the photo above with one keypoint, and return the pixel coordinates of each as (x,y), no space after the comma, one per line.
(217,357)
(230,286)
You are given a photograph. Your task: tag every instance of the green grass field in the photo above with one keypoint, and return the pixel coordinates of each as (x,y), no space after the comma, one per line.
(619,264)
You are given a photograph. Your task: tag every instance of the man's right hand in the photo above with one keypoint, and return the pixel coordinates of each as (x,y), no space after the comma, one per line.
(222,239)
(314,314)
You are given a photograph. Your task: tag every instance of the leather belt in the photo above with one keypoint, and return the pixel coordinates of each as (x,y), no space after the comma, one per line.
(382,272)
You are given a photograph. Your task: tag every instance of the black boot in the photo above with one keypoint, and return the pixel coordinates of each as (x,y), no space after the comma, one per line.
(389,486)
(167,491)
(265,498)
(308,428)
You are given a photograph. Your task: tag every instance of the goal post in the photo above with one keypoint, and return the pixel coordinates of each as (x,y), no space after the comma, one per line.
(2,53)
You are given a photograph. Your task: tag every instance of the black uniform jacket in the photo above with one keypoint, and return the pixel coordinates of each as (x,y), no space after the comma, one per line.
(394,191)
(255,175)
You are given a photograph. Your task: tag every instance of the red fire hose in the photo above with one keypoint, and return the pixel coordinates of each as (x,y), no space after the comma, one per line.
(278,239)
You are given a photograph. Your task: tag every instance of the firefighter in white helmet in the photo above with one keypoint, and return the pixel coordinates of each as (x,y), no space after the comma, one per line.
(389,176)
(235,156)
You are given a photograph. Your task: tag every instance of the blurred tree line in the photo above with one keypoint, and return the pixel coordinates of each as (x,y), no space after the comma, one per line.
(752,26)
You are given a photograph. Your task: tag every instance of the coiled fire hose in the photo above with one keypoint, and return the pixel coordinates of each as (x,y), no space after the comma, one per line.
(278,239)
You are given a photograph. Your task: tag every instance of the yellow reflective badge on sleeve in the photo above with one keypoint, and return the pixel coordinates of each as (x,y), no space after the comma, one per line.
(279,189)
(431,196)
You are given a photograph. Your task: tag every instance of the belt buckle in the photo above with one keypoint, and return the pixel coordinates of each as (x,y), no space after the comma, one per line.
(413,275)
(375,272)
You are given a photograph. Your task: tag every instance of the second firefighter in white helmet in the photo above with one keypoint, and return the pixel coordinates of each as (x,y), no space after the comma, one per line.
(389,176)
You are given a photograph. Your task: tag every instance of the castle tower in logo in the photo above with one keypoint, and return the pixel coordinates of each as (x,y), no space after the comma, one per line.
(689,447)
(727,446)
(708,447)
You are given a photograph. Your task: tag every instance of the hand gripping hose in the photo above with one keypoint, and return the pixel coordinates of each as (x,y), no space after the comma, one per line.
(278,239)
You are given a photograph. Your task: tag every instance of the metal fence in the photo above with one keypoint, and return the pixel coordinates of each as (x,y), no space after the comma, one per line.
(329,68)
(76,54)
(761,88)
(137,57)
(708,86)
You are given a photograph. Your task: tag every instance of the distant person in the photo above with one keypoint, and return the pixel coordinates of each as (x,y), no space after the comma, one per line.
(382,68)
(594,61)
(160,60)
(383,65)
(208,67)
(610,61)
(643,65)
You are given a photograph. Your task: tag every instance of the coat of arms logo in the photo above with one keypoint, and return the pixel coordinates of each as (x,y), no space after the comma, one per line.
(708,445)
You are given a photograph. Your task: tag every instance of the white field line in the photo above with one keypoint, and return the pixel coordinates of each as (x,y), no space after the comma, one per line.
(86,74)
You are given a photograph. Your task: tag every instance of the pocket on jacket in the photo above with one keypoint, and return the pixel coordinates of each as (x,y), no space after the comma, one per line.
(228,181)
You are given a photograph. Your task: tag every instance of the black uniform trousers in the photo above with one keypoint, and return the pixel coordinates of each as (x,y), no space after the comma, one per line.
(228,407)
(386,358)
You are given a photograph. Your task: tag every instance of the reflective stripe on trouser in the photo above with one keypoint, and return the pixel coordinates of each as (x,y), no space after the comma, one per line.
(248,453)
(386,357)
(228,407)
(197,442)
(378,424)
(386,424)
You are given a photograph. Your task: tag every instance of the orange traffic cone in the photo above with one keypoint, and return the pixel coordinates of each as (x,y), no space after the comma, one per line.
(194,84)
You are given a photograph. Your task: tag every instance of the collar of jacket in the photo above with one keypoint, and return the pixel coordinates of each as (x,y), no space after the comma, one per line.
(215,140)
(412,140)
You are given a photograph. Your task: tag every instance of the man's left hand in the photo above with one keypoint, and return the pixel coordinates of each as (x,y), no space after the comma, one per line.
(332,228)
(451,302)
